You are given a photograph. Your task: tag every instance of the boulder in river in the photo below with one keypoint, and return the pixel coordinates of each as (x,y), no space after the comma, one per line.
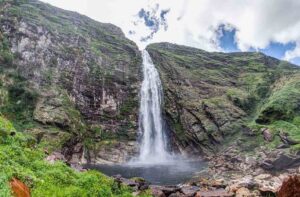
(167,190)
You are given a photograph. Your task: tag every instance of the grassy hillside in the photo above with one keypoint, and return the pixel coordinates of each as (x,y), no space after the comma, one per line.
(19,158)
(212,99)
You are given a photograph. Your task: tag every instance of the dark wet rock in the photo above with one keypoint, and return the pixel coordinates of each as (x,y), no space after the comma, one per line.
(285,161)
(142,183)
(173,191)
(137,183)
(267,165)
(128,182)
(177,194)
(167,190)
(77,154)
(282,162)
(144,186)
(156,192)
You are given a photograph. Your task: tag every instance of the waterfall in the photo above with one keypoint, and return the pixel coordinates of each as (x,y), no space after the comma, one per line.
(153,147)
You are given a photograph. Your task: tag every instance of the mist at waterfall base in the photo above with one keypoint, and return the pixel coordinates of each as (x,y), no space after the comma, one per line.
(172,173)
(155,162)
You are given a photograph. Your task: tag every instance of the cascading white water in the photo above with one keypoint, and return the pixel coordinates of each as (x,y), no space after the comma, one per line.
(153,147)
(154,163)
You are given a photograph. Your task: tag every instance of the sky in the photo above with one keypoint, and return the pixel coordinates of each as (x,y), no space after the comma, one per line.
(268,26)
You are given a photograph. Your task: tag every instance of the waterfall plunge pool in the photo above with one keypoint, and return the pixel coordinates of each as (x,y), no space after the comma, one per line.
(154,163)
(167,173)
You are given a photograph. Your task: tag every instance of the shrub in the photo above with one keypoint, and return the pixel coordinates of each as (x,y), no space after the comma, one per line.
(20,160)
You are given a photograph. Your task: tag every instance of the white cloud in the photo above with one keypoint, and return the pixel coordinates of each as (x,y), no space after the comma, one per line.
(195,22)
(292,54)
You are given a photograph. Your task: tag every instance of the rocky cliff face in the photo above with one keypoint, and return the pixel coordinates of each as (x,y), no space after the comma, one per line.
(73,83)
(69,80)
(213,100)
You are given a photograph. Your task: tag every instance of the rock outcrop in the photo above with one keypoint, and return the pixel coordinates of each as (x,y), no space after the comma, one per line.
(73,84)
(74,76)
(215,99)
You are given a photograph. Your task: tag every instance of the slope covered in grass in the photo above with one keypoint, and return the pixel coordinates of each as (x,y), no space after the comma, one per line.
(214,99)
(19,158)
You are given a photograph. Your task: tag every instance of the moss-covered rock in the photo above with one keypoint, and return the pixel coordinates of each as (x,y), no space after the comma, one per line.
(210,97)
(62,70)
(284,101)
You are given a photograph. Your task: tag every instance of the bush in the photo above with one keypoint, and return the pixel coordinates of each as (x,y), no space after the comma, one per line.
(7,57)
(20,160)
(20,103)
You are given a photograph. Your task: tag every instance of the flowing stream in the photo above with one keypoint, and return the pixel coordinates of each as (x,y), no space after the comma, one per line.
(154,162)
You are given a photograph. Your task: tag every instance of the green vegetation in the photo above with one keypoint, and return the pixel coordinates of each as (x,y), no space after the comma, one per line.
(280,111)
(236,89)
(76,122)
(48,97)
(18,100)
(127,106)
(283,104)
(20,159)
(240,98)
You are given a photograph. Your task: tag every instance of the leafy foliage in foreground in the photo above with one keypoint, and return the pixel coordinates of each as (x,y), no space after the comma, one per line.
(19,158)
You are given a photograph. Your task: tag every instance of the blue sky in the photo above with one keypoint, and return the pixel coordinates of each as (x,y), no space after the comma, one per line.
(269,26)
(228,44)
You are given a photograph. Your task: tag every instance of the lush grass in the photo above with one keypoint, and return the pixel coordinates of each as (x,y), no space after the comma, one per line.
(19,158)
(238,88)
(290,128)
(283,104)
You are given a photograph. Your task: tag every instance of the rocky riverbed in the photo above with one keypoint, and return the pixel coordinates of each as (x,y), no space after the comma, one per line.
(228,174)
(240,185)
